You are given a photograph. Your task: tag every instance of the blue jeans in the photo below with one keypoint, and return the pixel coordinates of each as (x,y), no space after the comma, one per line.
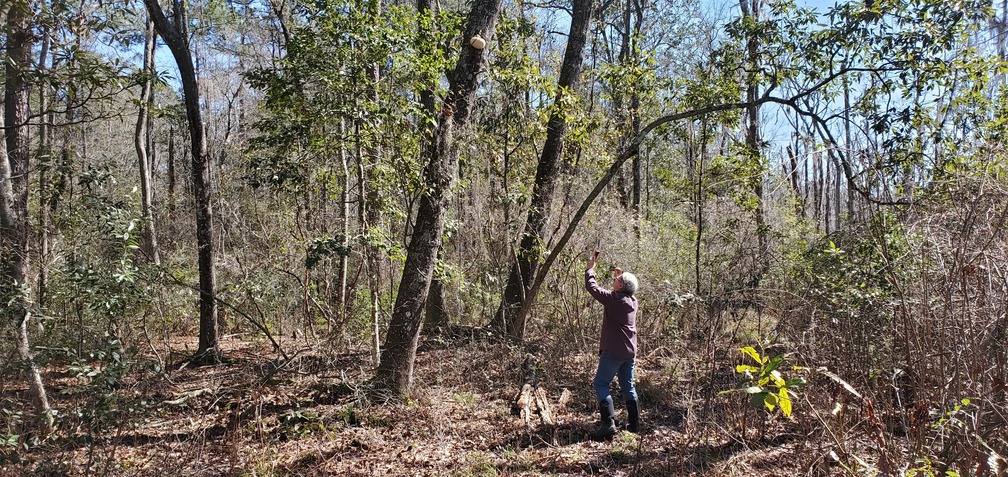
(608,366)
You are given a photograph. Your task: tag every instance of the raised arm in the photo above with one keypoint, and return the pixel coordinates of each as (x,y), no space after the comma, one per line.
(597,292)
(592,260)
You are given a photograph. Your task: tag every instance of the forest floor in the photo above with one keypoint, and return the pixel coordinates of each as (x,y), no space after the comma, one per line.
(261,415)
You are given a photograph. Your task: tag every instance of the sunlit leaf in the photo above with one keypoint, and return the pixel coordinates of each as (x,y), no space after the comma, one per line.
(778,380)
(745,368)
(785,402)
(751,352)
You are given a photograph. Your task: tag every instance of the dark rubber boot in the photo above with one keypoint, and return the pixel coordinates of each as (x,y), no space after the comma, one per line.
(606,427)
(633,416)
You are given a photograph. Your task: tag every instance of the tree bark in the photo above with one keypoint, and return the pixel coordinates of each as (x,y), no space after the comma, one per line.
(699,201)
(793,174)
(177,38)
(752,137)
(344,265)
(172,183)
(141,141)
(508,320)
(849,146)
(435,316)
(634,56)
(395,372)
(817,188)
(14,170)
(370,216)
(44,167)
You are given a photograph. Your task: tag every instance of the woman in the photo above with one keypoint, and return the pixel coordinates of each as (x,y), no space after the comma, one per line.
(617,347)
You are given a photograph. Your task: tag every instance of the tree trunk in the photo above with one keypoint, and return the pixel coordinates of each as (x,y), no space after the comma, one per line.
(848,153)
(752,137)
(793,174)
(369,198)
(44,167)
(435,317)
(342,272)
(1002,32)
(172,182)
(827,206)
(817,187)
(508,320)
(62,187)
(369,216)
(634,56)
(141,141)
(177,38)
(700,200)
(806,183)
(14,170)
(395,373)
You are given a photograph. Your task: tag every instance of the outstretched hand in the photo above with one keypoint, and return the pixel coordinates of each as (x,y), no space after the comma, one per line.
(593,260)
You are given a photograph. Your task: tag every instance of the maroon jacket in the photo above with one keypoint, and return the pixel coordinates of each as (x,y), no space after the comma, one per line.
(619,319)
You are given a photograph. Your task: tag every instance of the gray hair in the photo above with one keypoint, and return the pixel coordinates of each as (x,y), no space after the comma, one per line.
(629,281)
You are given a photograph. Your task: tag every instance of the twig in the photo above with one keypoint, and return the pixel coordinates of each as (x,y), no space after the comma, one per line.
(826,426)
(186,396)
(640,451)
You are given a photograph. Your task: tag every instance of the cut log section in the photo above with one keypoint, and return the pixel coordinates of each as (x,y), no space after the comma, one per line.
(532,400)
(543,407)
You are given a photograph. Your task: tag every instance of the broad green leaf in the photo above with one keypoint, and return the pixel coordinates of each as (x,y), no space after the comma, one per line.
(794,383)
(770,401)
(774,363)
(754,389)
